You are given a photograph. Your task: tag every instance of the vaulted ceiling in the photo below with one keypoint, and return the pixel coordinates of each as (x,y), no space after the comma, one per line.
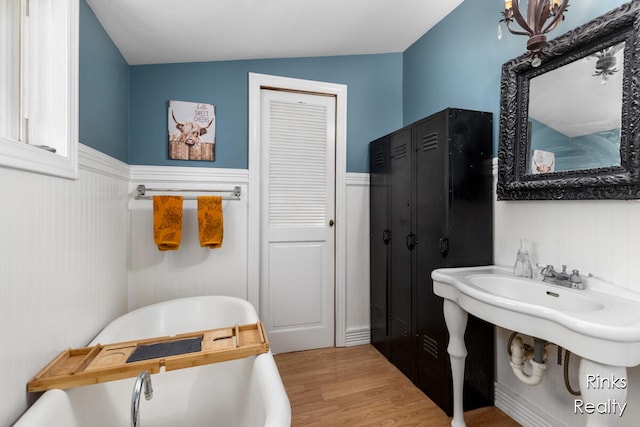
(166,31)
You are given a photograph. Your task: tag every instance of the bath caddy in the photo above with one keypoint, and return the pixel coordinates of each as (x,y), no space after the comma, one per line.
(102,363)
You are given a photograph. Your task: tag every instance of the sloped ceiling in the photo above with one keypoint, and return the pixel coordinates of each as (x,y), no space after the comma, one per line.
(166,31)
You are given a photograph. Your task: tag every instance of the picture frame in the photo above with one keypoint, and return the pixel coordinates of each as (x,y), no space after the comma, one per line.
(191,130)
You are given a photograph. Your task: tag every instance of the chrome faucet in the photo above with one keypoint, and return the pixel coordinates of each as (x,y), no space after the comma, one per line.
(562,278)
(143,379)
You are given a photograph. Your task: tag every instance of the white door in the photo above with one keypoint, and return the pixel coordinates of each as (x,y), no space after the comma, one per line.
(297,260)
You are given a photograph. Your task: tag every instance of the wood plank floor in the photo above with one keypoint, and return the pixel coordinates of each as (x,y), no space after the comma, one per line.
(357,386)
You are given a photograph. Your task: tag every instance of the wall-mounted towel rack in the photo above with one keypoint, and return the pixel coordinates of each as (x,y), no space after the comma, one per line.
(228,194)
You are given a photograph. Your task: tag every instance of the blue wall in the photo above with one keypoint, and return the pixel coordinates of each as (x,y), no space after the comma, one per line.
(596,150)
(103,89)
(374,97)
(123,110)
(459,61)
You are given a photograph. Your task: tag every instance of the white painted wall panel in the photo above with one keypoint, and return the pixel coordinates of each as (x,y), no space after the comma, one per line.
(156,276)
(358,323)
(63,266)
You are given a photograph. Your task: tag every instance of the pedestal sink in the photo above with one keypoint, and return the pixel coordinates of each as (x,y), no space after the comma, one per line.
(601,324)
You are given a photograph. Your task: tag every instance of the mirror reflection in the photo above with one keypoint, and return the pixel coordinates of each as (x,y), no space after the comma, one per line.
(575,114)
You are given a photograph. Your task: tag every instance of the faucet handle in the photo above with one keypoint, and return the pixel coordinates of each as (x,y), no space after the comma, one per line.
(575,277)
(576,280)
(546,270)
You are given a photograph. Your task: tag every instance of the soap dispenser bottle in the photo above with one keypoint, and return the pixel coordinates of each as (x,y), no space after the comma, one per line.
(522,267)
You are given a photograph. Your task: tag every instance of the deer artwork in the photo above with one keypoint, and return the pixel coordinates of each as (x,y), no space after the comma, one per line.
(186,144)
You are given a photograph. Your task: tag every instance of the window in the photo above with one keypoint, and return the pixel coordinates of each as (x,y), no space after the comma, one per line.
(39,85)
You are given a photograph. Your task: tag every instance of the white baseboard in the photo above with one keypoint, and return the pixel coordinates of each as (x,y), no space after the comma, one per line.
(521,409)
(357,336)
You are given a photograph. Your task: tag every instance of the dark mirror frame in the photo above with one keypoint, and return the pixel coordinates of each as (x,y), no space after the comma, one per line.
(617,182)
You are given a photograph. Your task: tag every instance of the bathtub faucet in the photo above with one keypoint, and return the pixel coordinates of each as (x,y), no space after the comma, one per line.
(143,379)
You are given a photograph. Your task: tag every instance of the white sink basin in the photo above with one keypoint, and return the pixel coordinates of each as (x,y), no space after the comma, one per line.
(535,292)
(601,323)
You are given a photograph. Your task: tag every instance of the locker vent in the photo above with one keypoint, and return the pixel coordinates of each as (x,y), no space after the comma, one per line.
(430,141)
(400,151)
(430,346)
(403,328)
(378,158)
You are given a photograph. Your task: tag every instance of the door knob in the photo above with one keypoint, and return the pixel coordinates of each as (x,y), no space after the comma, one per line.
(331,223)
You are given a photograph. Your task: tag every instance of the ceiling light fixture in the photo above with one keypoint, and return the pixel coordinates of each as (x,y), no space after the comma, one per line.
(606,62)
(535,26)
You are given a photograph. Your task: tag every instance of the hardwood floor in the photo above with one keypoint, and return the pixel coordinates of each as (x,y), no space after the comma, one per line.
(357,386)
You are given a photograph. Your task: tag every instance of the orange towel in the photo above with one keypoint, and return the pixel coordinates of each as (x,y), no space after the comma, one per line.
(167,222)
(210,223)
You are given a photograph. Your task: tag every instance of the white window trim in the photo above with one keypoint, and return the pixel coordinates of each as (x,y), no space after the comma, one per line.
(18,155)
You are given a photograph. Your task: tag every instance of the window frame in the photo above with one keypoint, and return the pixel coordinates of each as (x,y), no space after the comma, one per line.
(20,155)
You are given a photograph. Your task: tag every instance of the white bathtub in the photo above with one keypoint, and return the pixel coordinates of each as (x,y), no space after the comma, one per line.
(240,393)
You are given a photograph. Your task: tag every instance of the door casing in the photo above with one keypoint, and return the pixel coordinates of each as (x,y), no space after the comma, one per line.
(264,81)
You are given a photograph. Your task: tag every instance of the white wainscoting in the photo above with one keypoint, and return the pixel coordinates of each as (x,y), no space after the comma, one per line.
(74,255)
(156,276)
(63,266)
(357,263)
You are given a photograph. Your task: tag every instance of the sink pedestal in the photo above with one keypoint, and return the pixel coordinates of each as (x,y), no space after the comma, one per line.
(603,388)
(456,320)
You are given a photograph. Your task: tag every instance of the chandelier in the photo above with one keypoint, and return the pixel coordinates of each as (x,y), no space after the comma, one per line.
(535,25)
(606,62)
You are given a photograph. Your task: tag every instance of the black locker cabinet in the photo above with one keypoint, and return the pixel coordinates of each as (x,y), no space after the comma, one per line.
(438,213)
(379,239)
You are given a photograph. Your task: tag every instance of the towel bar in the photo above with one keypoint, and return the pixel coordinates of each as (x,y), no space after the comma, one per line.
(142,189)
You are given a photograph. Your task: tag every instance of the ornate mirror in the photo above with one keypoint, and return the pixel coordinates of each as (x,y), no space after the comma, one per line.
(569,128)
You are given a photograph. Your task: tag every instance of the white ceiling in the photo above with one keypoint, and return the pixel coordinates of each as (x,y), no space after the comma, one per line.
(571,100)
(165,31)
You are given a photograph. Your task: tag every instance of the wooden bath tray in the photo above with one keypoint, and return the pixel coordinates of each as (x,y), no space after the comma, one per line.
(102,363)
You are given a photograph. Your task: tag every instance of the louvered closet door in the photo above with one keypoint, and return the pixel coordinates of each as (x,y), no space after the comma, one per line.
(297,214)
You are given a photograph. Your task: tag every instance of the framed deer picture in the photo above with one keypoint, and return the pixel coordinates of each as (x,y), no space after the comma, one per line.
(192,131)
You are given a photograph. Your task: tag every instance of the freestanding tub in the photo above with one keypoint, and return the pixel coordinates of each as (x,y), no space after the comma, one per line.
(239,393)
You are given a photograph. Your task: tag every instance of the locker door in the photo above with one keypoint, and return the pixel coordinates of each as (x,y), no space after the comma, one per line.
(401,347)
(378,241)
(431,199)
(470,230)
